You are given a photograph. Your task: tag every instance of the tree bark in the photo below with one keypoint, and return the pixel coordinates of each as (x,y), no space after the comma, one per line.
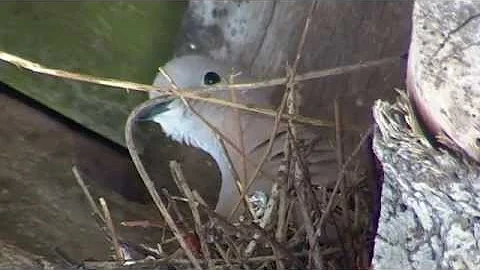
(429,216)
(443,69)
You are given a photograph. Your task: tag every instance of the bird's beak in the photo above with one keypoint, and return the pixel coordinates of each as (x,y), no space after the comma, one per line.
(159,108)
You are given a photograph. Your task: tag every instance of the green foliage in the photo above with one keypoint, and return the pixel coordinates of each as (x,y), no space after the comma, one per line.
(123,40)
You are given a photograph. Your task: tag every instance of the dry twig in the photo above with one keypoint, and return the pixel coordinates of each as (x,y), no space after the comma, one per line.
(340,155)
(299,170)
(111,228)
(223,254)
(238,119)
(84,188)
(268,215)
(345,240)
(173,204)
(197,93)
(182,184)
(142,223)
(342,172)
(246,231)
(241,180)
(151,187)
(283,203)
(37,68)
(217,132)
(266,154)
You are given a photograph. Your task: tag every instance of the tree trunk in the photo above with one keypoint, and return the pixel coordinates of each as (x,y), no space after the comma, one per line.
(429,216)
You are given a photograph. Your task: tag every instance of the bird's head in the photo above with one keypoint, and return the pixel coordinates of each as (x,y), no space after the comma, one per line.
(192,71)
(177,121)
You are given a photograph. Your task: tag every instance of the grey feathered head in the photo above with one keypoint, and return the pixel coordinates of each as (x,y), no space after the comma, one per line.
(179,123)
(191,71)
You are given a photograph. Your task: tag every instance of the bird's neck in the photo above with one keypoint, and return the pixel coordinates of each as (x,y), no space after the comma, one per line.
(182,125)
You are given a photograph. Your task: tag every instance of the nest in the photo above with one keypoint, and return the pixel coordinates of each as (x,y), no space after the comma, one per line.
(332,229)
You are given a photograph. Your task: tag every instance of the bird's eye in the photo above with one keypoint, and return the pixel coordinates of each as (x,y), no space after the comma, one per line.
(211,78)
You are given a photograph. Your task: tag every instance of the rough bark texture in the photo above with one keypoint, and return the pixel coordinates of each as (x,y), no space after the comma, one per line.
(443,69)
(430,217)
(430,199)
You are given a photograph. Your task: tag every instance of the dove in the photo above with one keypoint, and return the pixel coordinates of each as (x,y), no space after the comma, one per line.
(244,135)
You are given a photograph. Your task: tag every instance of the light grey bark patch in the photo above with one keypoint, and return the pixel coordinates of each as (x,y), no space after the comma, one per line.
(438,228)
(445,56)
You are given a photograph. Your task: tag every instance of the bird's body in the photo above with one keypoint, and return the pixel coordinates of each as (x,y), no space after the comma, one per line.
(250,137)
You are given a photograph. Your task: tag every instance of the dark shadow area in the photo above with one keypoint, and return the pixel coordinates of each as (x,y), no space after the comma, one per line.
(74,126)
(109,164)
(99,158)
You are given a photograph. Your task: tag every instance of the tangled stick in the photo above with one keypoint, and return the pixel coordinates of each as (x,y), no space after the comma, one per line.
(132,149)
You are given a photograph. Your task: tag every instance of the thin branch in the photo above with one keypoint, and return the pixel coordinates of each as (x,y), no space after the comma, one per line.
(182,184)
(251,108)
(142,223)
(283,204)
(267,217)
(340,176)
(111,228)
(299,170)
(37,68)
(241,180)
(218,133)
(196,93)
(240,186)
(267,152)
(85,190)
(223,254)
(101,220)
(173,204)
(234,248)
(345,240)
(302,186)
(317,74)
(132,149)
(245,231)
(340,156)
(233,96)
(311,75)
(303,170)
(303,37)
